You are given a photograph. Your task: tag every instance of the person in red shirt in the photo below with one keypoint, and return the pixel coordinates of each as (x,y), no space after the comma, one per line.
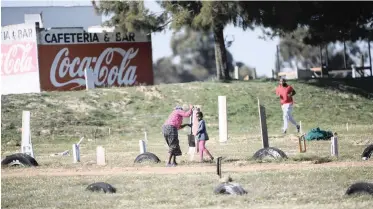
(286,93)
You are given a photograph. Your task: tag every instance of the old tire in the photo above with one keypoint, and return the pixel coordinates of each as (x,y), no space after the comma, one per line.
(360,188)
(367,153)
(21,159)
(270,152)
(101,186)
(229,189)
(147,157)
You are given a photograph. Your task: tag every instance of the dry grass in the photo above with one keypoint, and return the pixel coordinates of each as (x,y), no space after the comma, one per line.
(322,188)
(122,151)
(59,119)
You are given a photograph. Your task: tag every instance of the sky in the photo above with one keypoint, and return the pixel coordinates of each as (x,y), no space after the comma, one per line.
(246,48)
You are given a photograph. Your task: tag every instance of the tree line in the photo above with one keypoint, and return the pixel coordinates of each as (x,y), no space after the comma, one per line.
(324,22)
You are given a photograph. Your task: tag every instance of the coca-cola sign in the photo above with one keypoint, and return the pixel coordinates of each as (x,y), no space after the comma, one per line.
(18,58)
(18,49)
(124,74)
(113,64)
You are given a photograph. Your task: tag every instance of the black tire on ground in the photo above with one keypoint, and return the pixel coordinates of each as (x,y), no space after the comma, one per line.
(230,189)
(368,152)
(270,152)
(101,186)
(360,188)
(147,157)
(19,159)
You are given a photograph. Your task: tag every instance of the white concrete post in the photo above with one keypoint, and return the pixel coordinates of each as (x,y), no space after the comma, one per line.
(142,146)
(26,145)
(236,72)
(334,146)
(89,79)
(353,71)
(223,126)
(100,154)
(76,153)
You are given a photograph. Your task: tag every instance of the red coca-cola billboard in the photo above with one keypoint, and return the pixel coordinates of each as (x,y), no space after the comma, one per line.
(19,59)
(115,59)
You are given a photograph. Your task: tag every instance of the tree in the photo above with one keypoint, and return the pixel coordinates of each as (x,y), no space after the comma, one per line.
(165,71)
(295,53)
(195,49)
(326,21)
(193,58)
(199,15)
(331,22)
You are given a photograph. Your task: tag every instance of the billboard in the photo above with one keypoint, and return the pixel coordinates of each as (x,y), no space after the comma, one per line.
(19,59)
(116,59)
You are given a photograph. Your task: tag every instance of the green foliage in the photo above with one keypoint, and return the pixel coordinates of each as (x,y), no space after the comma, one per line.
(198,15)
(330,22)
(130,16)
(326,21)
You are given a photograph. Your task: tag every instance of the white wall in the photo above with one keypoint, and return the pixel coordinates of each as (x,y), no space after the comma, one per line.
(19,59)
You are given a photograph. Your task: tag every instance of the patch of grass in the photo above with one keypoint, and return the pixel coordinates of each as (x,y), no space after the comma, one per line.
(308,189)
(117,118)
(313,158)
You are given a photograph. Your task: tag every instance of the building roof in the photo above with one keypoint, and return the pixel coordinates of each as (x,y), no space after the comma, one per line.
(46,3)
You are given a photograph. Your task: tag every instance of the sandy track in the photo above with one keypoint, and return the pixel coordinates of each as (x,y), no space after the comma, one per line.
(28,172)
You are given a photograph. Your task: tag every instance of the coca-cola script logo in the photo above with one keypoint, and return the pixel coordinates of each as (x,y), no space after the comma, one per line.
(65,70)
(18,58)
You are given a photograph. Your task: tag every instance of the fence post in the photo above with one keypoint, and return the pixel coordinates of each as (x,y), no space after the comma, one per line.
(26,145)
(236,72)
(100,154)
(334,145)
(142,146)
(353,71)
(76,153)
(263,125)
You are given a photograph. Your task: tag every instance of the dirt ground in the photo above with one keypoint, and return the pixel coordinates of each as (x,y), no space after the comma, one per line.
(97,171)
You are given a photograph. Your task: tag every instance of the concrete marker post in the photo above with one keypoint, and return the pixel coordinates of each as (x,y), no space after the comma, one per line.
(236,72)
(334,145)
(100,154)
(353,71)
(26,145)
(76,153)
(142,146)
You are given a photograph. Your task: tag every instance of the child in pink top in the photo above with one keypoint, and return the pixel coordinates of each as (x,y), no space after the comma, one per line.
(170,132)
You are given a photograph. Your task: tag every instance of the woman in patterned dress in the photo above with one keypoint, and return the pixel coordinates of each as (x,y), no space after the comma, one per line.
(170,132)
